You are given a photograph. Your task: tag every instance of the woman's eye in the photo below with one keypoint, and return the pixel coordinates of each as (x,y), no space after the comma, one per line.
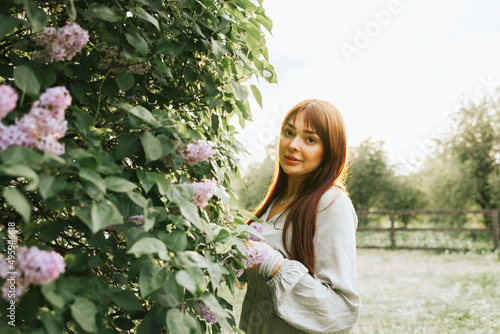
(287,132)
(311,140)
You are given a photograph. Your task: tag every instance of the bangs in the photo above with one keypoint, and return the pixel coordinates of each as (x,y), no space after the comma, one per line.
(315,120)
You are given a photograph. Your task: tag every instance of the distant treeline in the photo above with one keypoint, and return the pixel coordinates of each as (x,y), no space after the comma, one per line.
(460,170)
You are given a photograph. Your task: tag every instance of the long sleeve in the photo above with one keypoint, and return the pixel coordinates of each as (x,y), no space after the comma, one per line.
(327,303)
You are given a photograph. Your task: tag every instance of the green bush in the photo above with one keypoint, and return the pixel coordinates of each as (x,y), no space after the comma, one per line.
(118,204)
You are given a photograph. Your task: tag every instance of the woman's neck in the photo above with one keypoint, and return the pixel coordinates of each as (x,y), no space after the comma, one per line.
(293,186)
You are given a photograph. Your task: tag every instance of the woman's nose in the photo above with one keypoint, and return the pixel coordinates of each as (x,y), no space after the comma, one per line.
(294,144)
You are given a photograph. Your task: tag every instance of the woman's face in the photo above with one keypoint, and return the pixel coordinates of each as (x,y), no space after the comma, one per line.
(300,148)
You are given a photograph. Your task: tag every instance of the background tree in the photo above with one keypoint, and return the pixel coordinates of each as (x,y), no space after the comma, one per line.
(463,171)
(257,179)
(369,176)
(124,190)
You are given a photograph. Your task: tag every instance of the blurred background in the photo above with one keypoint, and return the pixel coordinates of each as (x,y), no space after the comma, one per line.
(417,84)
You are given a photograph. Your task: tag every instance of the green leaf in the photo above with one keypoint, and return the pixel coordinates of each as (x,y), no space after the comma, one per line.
(160,182)
(251,29)
(216,270)
(150,245)
(264,19)
(256,94)
(168,145)
(26,80)
(180,322)
(84,312)
(152,146)
(190,211)
(241,91)
(127,146)
(193,279)
(153,322)
(53,323)
(141,113)
(51,295)
(151,278)
(218,49)
(127,300)
(248,214)
(93,177)
(36,15)
(125,81)
(46,182)
(141,13)
(138,42)
(256,43)
(170,294)
(104,214)
(149,215)
(19,201)
(177,240)
(100,11)
(118,184)
(178,193)
(137,198)
(70,9)
(22,171)
(7,24)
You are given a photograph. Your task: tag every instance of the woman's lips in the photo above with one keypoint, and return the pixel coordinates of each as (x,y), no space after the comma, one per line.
(290,159)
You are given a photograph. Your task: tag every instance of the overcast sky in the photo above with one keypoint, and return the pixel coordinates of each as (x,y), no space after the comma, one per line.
(394,69)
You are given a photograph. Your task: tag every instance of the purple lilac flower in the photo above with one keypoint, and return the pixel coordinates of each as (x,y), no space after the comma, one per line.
(203,191)
(63,43)
(255,255)
(42,126)
(33,266)
(193,153)
(4,268)
(138,219)
(39,266)
(206,314)
(8,100)
(259,229)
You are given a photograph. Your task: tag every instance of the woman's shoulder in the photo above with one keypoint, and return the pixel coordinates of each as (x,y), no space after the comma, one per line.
(334,196)
(335,201)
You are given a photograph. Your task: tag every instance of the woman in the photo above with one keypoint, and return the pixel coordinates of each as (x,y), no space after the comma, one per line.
(308,282)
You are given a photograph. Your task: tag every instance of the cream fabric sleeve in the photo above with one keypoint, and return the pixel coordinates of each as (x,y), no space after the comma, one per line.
(327,303)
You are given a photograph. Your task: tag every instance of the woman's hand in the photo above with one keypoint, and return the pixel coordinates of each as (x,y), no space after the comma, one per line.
(263,246)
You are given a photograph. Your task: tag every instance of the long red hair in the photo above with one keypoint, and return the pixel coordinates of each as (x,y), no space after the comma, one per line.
(328,123)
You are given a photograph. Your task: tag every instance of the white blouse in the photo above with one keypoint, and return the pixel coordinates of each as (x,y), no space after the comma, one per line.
(295,302)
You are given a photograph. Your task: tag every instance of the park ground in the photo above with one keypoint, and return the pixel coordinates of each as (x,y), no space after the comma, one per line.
(425,292)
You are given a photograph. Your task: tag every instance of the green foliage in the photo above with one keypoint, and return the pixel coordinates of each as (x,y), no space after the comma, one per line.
(369,175)
(257,180)
(177,76)
(463,172)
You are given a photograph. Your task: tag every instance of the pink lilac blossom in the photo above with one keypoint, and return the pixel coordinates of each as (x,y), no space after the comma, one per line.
(255,255)
(138,219)
(61,44)
(194,153)
(203,191)
(206,314)
(4,268)
(32,266)
(256,226)
(39,266)
(8,100)
(42,126)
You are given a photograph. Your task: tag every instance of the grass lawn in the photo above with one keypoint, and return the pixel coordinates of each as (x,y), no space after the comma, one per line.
(425,292)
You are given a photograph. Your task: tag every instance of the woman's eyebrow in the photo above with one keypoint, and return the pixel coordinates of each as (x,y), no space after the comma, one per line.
(306,131)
